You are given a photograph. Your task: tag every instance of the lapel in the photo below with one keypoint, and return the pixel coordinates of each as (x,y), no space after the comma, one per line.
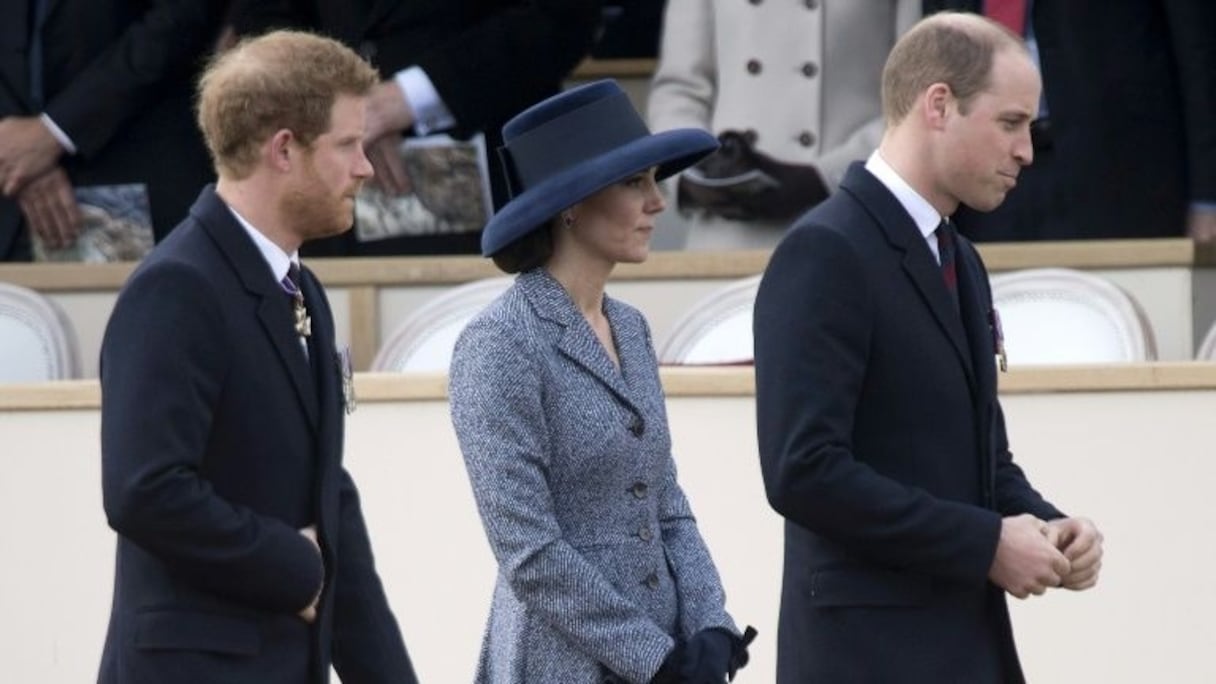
(918,263)
(272,306)
(577,341)
(321,349)
(975,307)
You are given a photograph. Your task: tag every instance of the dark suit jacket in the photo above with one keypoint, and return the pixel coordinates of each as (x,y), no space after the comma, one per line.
(118,77)
(883,445)
(488,60)
(219,442)
(1130,87)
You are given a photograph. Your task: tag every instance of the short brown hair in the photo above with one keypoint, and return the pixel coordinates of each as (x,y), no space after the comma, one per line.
(955,48)
(531,250)
(281,80)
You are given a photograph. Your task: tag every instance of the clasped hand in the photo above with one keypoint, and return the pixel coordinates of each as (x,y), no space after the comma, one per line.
(1033,556)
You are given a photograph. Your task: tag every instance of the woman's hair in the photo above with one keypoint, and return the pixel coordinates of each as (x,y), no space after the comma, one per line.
(953,48)
(528,252)
(281,80)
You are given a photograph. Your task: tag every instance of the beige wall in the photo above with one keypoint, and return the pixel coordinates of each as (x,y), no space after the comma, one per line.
(1133,453)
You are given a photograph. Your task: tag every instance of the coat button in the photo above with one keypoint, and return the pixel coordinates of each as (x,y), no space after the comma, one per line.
(811,4)
(637,427)
(806,139)
(639,490)
(652,580)
(810,69)
(755,2)
(645,533)
(753,66)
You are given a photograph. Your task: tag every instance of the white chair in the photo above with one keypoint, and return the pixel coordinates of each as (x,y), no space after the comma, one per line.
(1207,348)
(37,342)
(717,330)
(1063,316)
(424,341)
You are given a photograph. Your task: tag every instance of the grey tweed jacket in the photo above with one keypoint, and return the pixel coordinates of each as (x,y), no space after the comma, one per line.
(600,561)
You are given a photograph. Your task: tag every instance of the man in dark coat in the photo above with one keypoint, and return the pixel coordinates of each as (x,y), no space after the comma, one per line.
(882,441)
(242,551)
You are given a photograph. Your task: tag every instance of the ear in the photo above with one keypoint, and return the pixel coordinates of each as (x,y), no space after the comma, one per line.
(936,104)
(279,150)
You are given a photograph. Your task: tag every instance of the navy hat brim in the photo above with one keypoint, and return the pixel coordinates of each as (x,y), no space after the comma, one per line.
(671,151)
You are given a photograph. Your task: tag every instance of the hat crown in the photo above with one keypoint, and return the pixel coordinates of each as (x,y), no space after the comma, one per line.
(564,149)
(572,128)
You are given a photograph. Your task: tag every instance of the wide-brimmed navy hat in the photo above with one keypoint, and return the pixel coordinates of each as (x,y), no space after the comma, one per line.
(566,148)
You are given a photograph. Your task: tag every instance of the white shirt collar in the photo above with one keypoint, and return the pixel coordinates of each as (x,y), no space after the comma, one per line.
(278,260)
(923,213)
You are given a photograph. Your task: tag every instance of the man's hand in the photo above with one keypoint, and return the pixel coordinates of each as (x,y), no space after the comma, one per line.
(1081,542)
(50,209)
(390,174)
(309,614)
(387,112)
(27,150)
(1026,562)
(1201,225)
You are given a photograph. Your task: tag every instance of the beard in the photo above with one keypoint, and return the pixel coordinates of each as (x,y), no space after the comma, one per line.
(314,211)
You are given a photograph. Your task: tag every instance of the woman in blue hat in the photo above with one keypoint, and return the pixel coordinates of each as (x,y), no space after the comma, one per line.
(556,400)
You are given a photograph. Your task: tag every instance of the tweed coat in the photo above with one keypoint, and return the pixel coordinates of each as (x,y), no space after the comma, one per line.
(883,444)
(600,562)
(804,78)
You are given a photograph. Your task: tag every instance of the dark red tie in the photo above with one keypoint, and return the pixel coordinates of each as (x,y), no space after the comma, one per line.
(1011,13)
(946,249)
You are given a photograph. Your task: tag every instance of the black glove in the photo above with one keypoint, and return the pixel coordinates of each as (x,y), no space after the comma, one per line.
(740,183)
(707,657)
(739,655)
(669,671)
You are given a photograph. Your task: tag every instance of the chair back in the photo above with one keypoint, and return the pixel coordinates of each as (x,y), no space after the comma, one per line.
(717,330)
(424,341)
(1207,348)
(37,341)
(1064,316)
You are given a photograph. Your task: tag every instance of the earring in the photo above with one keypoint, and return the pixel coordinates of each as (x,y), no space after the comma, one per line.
(567,220)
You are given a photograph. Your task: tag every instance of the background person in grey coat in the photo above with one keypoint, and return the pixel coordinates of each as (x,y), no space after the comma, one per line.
(558,408)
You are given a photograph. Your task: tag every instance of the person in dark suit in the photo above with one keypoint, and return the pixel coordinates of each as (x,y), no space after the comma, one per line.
(1125,146)
(110,105)
(242,551)
(451,66)
(602,574)
(882,441)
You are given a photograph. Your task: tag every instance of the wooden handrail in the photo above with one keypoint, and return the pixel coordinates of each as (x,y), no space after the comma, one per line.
(449,270)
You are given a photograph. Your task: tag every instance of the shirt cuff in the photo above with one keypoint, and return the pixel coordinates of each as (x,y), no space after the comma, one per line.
(430,113)
(62,138)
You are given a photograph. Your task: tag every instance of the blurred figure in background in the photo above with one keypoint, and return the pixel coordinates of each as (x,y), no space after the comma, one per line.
(791,88)
(98,93)
(448,66)
(1125,142)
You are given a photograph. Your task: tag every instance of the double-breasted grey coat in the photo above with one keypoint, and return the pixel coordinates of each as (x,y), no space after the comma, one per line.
(600,562)
(803,78)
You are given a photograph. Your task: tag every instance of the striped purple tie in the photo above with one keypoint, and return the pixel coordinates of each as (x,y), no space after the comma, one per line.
(291,285)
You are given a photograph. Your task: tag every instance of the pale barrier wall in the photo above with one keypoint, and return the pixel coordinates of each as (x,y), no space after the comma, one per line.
(1171,278)
(1129,447)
